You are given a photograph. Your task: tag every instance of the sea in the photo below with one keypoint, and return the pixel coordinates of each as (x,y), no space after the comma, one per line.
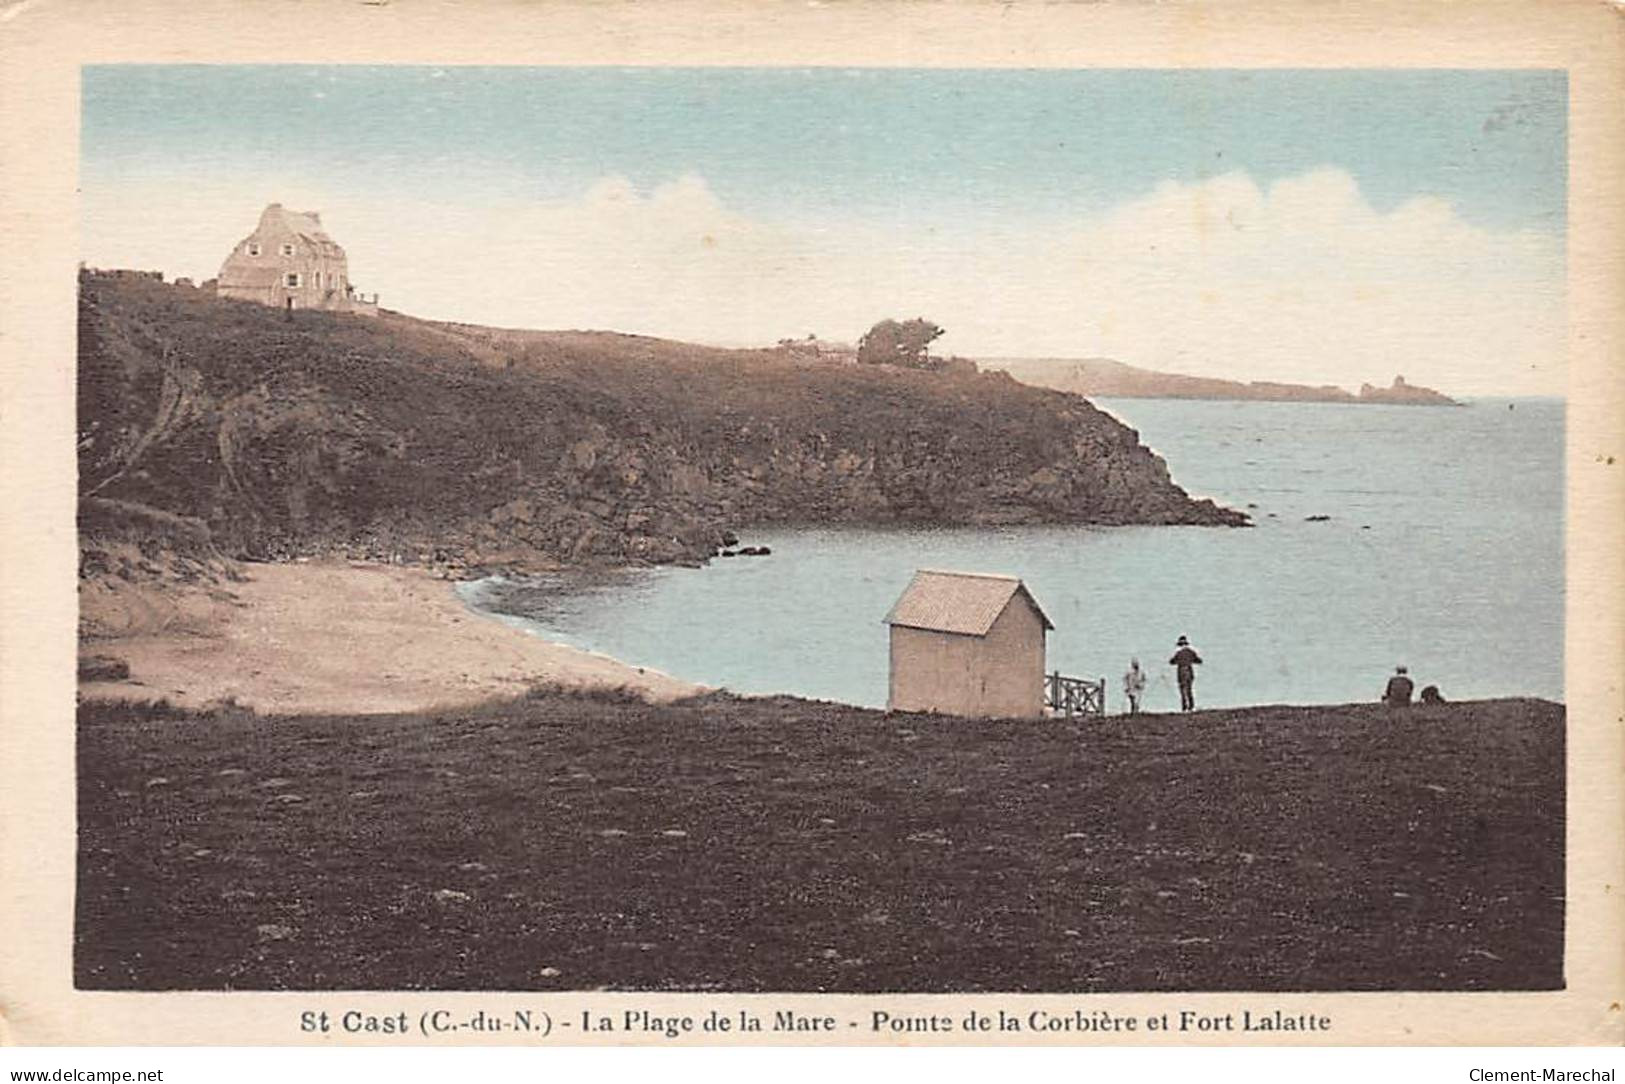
(1384,536)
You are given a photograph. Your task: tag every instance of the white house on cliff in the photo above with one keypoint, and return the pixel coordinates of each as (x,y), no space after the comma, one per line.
(289,262)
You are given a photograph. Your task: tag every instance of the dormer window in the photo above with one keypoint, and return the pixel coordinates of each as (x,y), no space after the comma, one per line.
(292,278)
(253,248)
(287,248)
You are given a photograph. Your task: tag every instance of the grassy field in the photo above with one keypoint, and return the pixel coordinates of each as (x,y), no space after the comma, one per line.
(578,842)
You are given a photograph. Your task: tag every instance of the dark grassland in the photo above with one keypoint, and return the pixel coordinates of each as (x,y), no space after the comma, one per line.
(577,842)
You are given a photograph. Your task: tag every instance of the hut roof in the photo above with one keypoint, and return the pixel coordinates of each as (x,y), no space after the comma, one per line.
(960,602)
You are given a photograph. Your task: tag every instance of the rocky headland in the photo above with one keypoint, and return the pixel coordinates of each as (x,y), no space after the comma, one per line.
(214,430)
(1107,378)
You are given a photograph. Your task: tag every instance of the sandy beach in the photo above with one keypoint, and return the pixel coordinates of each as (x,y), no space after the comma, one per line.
(331,637)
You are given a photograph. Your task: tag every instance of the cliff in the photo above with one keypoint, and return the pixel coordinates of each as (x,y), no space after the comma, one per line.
(1106,378)
(231,429)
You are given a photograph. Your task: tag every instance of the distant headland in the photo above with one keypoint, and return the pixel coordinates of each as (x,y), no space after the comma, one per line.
(1107,378)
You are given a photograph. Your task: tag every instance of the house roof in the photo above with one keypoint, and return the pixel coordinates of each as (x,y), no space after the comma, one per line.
(307,224)
(961,602)
(242,271)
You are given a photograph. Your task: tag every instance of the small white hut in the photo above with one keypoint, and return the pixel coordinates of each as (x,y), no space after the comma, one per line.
(967,643)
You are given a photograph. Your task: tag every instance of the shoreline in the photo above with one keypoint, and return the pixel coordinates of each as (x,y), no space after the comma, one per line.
(326,637)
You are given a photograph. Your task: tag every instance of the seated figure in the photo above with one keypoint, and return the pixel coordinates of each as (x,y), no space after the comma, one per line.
(1398,692)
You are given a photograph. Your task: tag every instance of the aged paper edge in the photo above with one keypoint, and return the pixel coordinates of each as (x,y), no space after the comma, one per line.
(42,47)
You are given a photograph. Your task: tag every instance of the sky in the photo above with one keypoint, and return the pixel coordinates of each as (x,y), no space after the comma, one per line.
(1314,226)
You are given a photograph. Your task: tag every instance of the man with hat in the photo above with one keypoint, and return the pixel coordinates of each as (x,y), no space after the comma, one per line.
(1184,662)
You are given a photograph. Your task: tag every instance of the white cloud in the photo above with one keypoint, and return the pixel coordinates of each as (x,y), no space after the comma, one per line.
(1301,281)
(1305,281)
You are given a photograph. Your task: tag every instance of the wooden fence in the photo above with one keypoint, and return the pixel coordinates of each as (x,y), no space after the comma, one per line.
(1074,696)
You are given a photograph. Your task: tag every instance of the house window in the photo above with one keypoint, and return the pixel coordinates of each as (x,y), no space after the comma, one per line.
(287,248)
(292,278)
(253,248)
